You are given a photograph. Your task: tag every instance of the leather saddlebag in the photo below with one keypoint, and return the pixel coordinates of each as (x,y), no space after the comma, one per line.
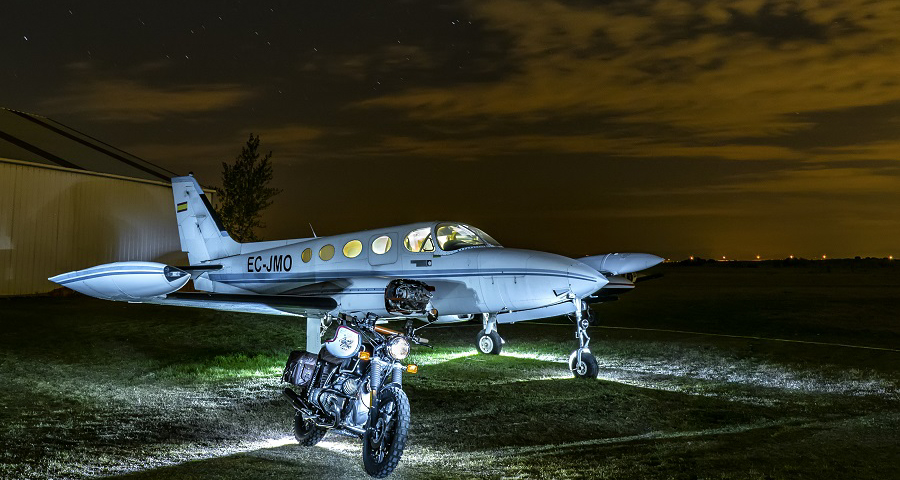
(300,368)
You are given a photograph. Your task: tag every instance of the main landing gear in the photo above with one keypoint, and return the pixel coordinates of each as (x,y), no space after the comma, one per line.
(582,363)
(488,340)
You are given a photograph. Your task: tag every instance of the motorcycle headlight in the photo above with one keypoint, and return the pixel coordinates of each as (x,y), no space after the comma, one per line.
(398,348)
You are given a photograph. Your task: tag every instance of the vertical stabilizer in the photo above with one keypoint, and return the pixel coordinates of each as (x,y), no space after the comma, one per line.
(201,232)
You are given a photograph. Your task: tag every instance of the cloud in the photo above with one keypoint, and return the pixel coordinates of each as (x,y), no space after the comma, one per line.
(382,61)
(716,71)
(829,182)
(286,134)
(125,100)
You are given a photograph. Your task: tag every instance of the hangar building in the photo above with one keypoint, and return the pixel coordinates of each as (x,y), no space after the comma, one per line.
(69,201)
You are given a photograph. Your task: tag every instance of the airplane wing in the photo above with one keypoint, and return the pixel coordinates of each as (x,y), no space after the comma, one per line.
(268,304)
(148,282)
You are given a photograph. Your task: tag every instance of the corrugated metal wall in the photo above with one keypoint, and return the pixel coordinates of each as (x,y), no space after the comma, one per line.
(55,220)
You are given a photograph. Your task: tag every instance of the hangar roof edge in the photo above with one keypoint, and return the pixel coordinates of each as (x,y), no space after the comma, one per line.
(39,140)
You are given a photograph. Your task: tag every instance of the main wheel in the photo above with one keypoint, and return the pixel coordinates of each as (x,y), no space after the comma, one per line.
(386,432)
(490,343)
(586,368)
(307,432)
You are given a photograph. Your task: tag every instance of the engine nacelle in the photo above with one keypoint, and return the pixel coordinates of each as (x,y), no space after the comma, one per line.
(129,281)
(621,263)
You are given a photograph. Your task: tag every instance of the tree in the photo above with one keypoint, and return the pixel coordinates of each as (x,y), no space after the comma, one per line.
(244,193)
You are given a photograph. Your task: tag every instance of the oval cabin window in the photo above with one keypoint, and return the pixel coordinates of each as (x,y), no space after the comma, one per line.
(381,245)
(326,252)
(352,249)
(306,256)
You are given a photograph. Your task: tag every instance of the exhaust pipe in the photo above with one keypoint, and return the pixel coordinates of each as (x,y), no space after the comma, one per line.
(295,399)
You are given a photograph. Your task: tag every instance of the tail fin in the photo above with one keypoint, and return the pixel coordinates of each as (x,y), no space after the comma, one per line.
(202,235)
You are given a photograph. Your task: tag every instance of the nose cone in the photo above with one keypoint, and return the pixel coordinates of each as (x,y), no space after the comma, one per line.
(584,280)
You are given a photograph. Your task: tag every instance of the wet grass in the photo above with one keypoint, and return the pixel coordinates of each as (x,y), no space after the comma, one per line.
(97,388)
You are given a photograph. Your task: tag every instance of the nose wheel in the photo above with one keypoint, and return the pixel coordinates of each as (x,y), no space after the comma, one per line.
(488,341)
(583,365)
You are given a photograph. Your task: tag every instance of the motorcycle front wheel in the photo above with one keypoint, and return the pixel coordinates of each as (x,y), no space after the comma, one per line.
(386,432)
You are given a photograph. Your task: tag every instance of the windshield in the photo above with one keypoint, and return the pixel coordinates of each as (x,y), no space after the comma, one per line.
(453,236)
(487,238)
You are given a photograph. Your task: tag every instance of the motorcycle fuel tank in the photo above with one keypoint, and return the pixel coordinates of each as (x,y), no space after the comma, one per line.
(127,281)
(345,344)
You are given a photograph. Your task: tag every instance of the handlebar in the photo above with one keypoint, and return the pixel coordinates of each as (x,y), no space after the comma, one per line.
(388,331)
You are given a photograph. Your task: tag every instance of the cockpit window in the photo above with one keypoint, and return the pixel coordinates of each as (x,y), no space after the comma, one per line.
(419,240)
(453,236)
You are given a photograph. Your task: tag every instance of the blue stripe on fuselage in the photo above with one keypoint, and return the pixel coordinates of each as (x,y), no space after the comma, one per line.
(321,276)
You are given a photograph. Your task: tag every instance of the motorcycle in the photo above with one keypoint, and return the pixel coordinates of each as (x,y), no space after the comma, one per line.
(354,386)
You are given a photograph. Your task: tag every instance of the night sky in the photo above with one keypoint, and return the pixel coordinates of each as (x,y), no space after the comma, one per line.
(678,128)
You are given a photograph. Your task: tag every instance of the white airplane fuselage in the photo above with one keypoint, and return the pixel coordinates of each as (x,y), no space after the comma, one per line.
(471,280)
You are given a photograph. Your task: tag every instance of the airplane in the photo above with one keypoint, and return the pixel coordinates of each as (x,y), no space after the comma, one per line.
(436,272)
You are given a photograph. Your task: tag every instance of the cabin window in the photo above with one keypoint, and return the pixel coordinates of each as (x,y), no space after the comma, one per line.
(352,249)
(381,245)
(419,240)
(453,236)
(306,256)
(326,252)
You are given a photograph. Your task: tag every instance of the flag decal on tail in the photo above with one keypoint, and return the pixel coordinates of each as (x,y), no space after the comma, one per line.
(181,207)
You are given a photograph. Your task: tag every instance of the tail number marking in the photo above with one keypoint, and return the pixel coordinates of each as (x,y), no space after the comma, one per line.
(274,263)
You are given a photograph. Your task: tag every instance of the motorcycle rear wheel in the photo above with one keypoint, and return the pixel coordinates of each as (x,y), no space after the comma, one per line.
(386,432)
(306,432)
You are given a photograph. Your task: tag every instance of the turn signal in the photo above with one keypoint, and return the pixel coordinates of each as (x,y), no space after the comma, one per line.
(412,368)
(364,355)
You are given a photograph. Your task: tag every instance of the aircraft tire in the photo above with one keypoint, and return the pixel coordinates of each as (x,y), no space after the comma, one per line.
(307,433)
(489,343)
(588,367)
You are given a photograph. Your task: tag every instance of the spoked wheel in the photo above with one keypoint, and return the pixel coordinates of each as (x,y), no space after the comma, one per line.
(586,368)
(386,432)
(489,343)
(307,432)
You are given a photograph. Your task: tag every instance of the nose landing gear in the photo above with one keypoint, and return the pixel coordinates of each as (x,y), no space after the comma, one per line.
(582,362)
(488,340)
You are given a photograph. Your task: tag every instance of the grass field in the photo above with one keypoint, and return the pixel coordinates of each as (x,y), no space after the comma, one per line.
(96,388)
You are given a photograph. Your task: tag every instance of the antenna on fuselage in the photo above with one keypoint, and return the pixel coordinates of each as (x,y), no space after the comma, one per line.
(313,230)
